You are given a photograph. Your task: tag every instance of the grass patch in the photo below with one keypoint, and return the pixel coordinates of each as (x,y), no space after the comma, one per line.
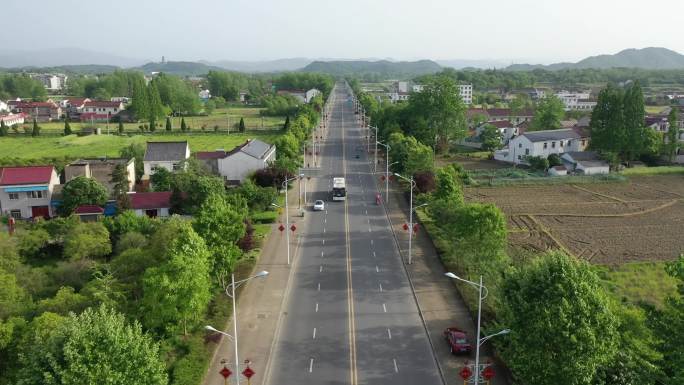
(660,170)
(518,176)
(100,145)
(639,282)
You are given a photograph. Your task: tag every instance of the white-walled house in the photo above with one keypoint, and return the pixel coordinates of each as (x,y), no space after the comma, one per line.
(25,192)
(3,106)
(151,204)
(310,94)
(168,155)
(543,144)
(236,165)
(507,129)
(585,162)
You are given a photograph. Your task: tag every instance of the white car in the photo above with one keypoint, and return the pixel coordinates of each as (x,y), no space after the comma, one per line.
(319,205)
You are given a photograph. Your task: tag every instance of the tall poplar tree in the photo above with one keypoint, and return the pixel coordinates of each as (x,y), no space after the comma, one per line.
(155,103)
(672,142)
(67,127)
(635,115)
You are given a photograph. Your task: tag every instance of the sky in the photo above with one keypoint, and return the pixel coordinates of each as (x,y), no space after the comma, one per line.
(539,31)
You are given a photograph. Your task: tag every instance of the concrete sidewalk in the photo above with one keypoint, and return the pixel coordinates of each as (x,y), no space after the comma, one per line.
(259,305)
(440,302)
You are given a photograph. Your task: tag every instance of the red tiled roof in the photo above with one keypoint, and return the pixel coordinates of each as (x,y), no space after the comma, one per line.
(210,154)
(10,176)
(34,104)
(150,200)
(88,209)
(102,103)
(501,124)
(77,101)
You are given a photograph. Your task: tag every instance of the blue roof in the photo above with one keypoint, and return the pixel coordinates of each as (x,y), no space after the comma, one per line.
(25,189)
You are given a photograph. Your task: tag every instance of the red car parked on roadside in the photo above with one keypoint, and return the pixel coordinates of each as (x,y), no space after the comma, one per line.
(457,341)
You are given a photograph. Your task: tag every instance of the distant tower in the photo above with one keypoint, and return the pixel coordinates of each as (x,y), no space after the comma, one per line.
(163,60)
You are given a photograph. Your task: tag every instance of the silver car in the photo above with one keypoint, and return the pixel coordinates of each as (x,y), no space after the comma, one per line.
(319,205)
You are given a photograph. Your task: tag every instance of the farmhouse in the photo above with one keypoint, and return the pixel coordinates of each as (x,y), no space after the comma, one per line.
(500,114)
(168,155)
(13,119)
(25,192)
(236,165)
(101,170)
(297,94)
(585,162)
(558,171)
(40,111)
(310,94)
(507,129)
(151,204)
(100,111)
(542,143)
(89,213)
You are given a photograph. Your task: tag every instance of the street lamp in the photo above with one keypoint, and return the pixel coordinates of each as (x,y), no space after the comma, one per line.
(413,184)
(479,341)
(287,214)
(387,150)
(234,337)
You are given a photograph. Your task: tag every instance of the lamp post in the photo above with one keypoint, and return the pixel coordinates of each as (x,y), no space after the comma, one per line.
(287,214)
(413,184)
(387,150)
(234,337)
(478,341)
(375,166)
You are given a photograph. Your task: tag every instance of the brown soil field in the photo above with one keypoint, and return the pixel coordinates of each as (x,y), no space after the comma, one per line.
(605,223)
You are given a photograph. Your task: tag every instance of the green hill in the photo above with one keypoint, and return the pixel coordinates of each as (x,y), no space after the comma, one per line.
(180,68)
(652,58)
(383,68)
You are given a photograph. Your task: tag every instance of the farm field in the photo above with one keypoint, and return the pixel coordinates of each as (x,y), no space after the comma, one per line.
(223,118)
(606,223)
(26,147)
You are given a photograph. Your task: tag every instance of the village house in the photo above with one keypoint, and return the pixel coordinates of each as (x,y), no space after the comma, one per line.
(101,170)
(52,82)
(13,119)
(236,165)
(151,204)
(73,107)
(3,107)
(506,129)
(585,162)
(40,111)
(89,213)
(168,155)
(400,92)
(576,101)
(500,114)
(25,192)
(542,144)
(297,94)
(311,94)
(100,111)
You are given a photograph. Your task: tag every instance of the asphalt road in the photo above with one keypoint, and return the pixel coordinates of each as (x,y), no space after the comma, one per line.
(350,316)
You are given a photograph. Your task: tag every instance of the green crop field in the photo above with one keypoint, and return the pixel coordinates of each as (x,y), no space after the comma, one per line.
(27,147)
(223,119)
(639,282)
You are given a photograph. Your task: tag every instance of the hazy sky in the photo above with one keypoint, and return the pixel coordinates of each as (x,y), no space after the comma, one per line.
(529,30)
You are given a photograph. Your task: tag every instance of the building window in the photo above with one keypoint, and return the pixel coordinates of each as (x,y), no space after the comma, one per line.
(35,194)
(13,196)
(519,157)
(519,145)
(561,143)
(16,214)
(546,145)
(583,142)
(527,151)
(176,167)
(553,144)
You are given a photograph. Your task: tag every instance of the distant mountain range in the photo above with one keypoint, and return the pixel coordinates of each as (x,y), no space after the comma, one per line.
(384,67)
(56,57)
(292,64)
(181,68)
(654,58)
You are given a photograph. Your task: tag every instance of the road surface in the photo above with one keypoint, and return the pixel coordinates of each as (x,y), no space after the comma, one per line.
(350,316)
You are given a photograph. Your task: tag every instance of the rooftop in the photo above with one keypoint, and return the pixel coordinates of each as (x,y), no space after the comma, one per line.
(150,200)
(25,175)
(88,209)
(165,151)
(543,136)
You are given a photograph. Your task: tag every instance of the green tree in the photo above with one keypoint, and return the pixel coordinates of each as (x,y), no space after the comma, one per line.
(82,191)
(241,126)
(94,347)
(634,118)
(443,110)
(448,186)
(490,138)
(140,100)
(561,322)
(87,240)
(286,126)
(153,124)
(121,186)
(168,123)
(184,127)
(121,127)
(161,180)
(549,113)
(607,121)
(672,137)
(135,151)
(36,129)
(65,300)
(3,128)
(209,107)
(67,127)
(220,225)
(13,298)
(176,292)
